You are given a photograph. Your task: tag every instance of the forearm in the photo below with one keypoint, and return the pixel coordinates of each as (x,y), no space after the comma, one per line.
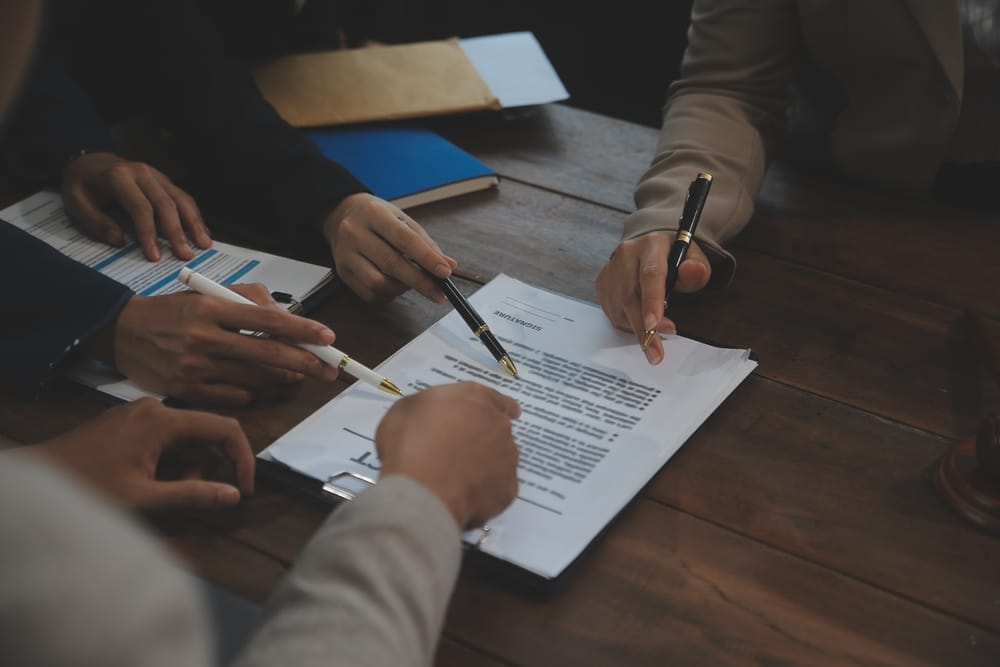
(698,136)
(67,555)
(239,149)
(371,588)
(54,121)
(67,304)
(722,116)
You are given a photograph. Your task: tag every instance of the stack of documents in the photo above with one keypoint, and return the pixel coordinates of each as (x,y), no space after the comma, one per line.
(598,421)
(382,83)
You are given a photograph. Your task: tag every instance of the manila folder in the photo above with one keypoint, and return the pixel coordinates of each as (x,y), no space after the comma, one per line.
(375,84)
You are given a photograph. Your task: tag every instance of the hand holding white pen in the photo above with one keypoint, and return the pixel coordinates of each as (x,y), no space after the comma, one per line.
(327,353)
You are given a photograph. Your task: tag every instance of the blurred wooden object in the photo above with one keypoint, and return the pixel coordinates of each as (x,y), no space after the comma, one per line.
(968,476)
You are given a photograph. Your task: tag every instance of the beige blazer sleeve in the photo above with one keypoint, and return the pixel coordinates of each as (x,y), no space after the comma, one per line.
(371,588)
(722,116)
(81,584)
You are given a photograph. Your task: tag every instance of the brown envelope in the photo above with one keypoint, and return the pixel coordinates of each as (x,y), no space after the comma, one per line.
(374,84)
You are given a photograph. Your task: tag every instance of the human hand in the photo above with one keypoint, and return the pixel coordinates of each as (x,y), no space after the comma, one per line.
(152,201)
(374,245)
(120,451)
(456,440)
(632,285)
(188,346)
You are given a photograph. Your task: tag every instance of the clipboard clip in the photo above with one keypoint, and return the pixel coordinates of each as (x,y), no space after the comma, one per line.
(484,534)
(291,304)
(348,485)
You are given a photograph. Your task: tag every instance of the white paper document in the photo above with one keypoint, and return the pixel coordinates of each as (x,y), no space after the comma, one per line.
(515,69)
(598,421)
(42,215)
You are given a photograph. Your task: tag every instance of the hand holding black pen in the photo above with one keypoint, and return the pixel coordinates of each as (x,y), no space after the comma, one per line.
(474,321)
(476,324)
(694,203)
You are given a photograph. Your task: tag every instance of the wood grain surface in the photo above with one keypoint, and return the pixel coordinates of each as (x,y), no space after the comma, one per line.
(798,525)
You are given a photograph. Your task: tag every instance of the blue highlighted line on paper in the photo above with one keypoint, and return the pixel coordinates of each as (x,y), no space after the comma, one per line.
(241,270)
(114,257)
(172,276)
(239,273)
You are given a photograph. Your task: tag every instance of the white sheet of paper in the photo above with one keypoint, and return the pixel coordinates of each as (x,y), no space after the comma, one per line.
(42,215)
(598,421)
(515,68)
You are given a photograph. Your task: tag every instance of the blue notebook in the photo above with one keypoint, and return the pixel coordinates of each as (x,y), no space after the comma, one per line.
(406,165)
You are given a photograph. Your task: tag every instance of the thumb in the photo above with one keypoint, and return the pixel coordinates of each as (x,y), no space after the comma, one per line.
(197,493)
(695,271)
(93,220)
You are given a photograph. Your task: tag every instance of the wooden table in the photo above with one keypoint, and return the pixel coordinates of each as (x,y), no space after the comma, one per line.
(798,525)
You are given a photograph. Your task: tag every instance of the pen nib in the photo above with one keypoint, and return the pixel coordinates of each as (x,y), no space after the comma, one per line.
(508,365)
(389,388)
(647,337)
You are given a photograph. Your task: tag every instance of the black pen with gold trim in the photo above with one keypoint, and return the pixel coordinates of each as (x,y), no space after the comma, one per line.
(694,203)
(476,324)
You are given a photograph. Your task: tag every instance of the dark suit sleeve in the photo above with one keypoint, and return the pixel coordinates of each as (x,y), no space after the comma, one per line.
(51,304)
(235,143)
(53,121)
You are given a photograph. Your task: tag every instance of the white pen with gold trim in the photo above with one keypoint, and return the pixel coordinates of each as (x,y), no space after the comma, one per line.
(327,353)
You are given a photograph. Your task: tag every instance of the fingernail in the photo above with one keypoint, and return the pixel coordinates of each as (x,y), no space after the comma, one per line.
(653,355)
(452,261)
(228,495)
(331,373)
(670,329)
(442,270)
(326,335)
(649,323)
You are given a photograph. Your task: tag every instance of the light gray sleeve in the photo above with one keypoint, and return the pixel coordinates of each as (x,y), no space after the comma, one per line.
(371,587)
(81,584)
(722,116)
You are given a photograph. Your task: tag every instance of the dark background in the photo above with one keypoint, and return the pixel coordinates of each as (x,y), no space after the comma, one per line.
(614,58)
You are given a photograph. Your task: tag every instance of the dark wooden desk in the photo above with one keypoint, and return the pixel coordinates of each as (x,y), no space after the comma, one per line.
(798,525)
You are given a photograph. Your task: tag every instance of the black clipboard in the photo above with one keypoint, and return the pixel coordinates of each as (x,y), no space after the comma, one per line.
(476,563)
